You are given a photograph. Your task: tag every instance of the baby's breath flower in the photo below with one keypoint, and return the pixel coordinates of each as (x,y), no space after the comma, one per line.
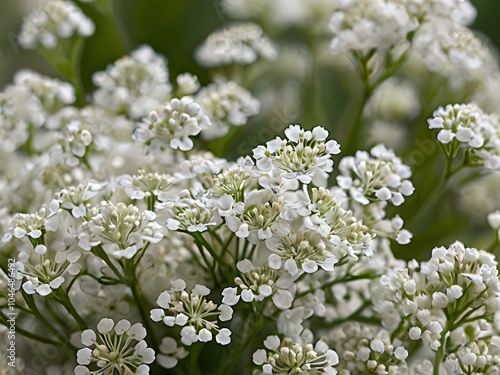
(179,120)
(28,104)
(241,44)
(74,145)
(53,20)
(232,182)
(469,126)
(366,350)
(194,312)
(456,53)
(457,11)
(286,357)
(114,350)
(374,217)
(34,226)
(226,104)
(121,229)
(304,156)
(364,25)
(455,286)
(301,251)
(187,83)
(46,272)
(258,283)
(259,218)
(134,85)
(75,198)
(145,185)
(325,215)
(189,214)
(378,175)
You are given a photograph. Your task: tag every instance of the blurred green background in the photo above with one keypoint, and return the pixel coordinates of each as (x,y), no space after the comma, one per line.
(173,28)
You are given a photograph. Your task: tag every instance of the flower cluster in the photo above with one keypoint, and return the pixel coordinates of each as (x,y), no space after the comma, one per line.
(179,119)
(468,126)
(226,104)
(194,313)
(240,44)
(378,175)
(30,103)
(365,351)
(304,156)
(286,357)
(188,205)
(114,350)
(447,302)
(134,85)
(121,230)
(54,20)
(364,25)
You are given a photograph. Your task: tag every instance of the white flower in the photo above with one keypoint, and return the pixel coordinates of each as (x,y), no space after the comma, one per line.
(179,120)
(53,20)
(378,175)
(119,341)
(134,85)
(187,83)
(304,156)
(121,230)
(237,44)
(194,312)
(471,128)
(226,104)
(362,25)
(286,357)
(170,353)
(258,283)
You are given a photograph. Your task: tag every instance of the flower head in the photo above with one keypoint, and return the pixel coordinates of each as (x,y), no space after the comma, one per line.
(53,20)
(286,357)
(118,349)
(134,85)
(194,313)
(237,44)
(179,120)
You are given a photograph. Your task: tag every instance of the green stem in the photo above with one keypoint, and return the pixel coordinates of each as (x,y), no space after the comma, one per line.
(134,288)
(64,300)
(355,135)
(439,356)
(333,282)
(22,331)
(36,313)
(193,358)
(210,267)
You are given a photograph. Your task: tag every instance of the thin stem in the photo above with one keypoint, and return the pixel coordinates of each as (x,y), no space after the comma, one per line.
(36,313)
(134,288)
(22,331)
(333,282)
(64,300)
(210,267)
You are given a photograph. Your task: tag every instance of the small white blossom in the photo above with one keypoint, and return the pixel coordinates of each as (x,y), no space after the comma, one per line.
(134,85)
(53,20)
(194,312)
(226,104)
(286,357)
(237,44)
(114,350)
(173,127)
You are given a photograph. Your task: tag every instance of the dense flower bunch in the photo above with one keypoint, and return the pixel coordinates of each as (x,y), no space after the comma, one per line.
(152,228)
